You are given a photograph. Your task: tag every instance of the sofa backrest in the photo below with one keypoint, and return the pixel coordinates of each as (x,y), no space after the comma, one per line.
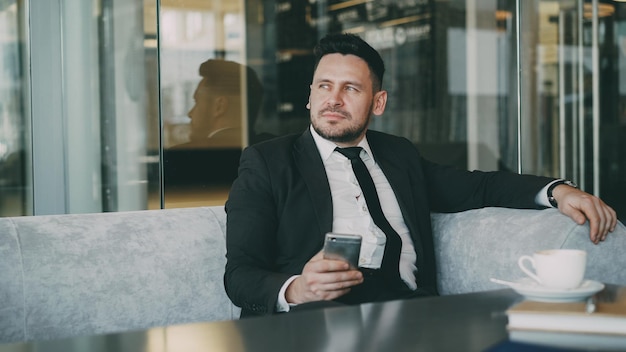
(473,246)
(67,275)
(85,274)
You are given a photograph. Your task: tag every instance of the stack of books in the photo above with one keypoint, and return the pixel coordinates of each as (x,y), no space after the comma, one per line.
(599,323)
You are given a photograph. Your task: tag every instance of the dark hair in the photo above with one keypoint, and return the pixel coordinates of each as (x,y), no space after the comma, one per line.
(225,77)
(351,44)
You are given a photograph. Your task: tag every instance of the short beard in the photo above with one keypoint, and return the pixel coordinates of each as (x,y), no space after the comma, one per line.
(347,136)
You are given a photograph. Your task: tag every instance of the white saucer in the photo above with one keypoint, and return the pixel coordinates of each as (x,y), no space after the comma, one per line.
(533,291)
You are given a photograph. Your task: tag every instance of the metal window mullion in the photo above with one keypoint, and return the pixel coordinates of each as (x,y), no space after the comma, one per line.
(518,40)
(47,110)
(581,97)
(596,99)
(561,63)
(160,110)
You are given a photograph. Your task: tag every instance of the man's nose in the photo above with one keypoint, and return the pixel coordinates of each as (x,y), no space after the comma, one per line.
(335,98)
(190,112)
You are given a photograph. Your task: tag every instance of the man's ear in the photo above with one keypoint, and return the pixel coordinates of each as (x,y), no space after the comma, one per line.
(220,105)
(380,101)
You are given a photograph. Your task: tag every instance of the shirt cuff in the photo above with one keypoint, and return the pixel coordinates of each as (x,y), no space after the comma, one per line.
(281,304)
(542,197)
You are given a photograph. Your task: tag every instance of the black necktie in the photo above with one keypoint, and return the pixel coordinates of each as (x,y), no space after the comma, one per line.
(391,256)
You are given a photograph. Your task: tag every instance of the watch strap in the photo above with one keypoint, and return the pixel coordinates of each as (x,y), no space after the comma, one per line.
(551,198)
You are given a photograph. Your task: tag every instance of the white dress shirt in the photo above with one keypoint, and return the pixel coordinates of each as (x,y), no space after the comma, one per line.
(350,212)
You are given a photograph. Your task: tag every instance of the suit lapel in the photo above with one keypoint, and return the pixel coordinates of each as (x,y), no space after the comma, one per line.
(307,159)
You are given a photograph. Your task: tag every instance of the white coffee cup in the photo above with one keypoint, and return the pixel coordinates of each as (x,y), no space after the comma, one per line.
(556,268)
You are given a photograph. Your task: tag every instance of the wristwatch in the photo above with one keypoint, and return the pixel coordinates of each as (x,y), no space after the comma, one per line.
(551,188)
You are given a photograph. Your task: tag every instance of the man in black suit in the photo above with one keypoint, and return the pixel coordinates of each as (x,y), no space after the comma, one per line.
(292,190)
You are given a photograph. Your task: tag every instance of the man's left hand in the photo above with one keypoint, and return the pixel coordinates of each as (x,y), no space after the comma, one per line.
(582,206)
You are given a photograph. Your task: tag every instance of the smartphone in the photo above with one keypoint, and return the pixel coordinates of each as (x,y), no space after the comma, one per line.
(340,246)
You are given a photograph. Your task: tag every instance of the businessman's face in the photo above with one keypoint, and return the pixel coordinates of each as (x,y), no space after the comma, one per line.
(342,99)
(202,114)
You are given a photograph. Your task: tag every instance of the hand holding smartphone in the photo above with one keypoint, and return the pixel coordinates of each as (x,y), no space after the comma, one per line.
(346,247)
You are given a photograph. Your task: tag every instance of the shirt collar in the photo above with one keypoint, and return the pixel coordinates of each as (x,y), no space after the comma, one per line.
(326,147)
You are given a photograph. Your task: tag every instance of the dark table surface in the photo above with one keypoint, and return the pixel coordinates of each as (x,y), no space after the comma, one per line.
(467,322)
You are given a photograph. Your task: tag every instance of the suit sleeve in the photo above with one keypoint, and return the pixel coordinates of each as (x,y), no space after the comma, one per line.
(452,190)
(251,280)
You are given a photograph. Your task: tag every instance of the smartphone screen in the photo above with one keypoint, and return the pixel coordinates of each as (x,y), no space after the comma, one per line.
(346,247)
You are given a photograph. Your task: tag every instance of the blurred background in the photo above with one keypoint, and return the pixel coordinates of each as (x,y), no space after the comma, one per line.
(115,105)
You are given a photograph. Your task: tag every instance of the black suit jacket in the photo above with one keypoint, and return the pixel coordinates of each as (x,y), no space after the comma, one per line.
(280,208)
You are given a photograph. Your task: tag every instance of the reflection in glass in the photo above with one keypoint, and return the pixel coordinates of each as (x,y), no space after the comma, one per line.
(124,119)
(13,131)
(208,98)
(123,127)
(575,112)
(208,156)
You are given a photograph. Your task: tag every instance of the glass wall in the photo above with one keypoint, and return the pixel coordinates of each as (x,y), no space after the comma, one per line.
(573,117)
(204,98)
(13,95)
(113,105)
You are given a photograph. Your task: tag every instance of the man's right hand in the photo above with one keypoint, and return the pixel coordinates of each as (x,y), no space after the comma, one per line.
(322,280)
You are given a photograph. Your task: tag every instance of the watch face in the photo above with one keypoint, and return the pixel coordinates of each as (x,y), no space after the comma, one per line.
(553,202)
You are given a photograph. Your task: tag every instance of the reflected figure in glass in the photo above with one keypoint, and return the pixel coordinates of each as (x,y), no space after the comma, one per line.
(216,117)
(226,99)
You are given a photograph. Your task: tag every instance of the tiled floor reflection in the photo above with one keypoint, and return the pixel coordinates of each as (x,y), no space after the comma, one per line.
(190,196)
(12,202)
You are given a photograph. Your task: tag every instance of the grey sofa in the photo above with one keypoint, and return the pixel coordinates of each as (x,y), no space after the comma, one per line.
(68,275)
